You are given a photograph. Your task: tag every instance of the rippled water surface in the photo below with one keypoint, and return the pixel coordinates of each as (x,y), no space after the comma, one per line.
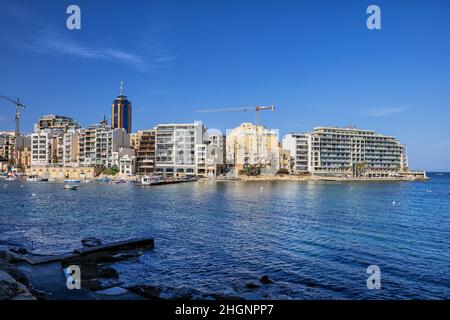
(314,240)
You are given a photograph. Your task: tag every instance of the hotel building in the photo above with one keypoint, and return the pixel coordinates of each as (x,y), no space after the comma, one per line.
(176,151)
(346,152)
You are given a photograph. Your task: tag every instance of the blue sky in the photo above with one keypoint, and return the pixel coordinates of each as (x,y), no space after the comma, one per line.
(314,60)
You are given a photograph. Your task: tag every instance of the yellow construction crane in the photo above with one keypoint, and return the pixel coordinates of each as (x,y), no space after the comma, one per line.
(256,109)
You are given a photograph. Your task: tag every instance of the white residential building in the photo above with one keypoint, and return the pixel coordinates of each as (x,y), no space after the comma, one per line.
(127,165)
(175,148)
(200,159)
(297,144)
(41,147)
(121,152)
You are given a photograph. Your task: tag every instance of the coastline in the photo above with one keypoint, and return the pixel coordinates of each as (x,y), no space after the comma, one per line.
(330,179)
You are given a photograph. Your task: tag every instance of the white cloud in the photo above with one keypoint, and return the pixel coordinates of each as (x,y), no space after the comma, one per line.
(53,43)
(385,111)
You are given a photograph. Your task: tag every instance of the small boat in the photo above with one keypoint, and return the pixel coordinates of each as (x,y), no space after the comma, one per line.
(158,180)
(104,180)
(36,179)
(11,178)
(151,180)
(72,181)
(71,187)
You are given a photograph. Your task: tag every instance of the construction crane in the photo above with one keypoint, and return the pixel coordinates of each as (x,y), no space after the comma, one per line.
(17,117)
(256,109)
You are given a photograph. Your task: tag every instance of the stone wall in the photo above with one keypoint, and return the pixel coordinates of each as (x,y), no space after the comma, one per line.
(64,172)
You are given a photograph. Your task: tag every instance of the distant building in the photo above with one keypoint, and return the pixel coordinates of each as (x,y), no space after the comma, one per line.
(71,147)
(127,165)
(200,159)
(120,153)
(24,158)
(7,145)
(97,144)
(44,148)
(250,145)
(286,160)
(177,151)
(215,153)
(121,112)
(298,146)
(55,122)
(144,144)
(346,152)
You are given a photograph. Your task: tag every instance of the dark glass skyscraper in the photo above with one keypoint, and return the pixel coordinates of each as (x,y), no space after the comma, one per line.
(121,112)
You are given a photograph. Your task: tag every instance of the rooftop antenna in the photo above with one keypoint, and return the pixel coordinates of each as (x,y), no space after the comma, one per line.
(121,88)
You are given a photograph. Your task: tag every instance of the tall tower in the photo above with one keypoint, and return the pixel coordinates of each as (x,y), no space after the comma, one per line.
(121,112)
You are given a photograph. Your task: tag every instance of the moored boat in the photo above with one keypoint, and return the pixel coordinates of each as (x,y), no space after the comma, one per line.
(72,181)
(71,187)
(158,180)
(36,179)
(151,180)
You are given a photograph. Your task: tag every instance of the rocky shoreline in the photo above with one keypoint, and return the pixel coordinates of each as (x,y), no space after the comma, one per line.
(19,280)
(14,284)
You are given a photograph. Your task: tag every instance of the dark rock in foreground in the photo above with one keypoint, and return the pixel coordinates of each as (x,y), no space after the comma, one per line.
(168,293)
(265,279)
(251,285)
(10,289)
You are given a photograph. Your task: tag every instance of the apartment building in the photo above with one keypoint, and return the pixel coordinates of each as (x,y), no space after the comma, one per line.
(298,145)
(215,153)
(347,152)
(144,144)
(71,147)
(200,159)
(7,145)
(44,148)
(176,151)
(249,145)
(97,144)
